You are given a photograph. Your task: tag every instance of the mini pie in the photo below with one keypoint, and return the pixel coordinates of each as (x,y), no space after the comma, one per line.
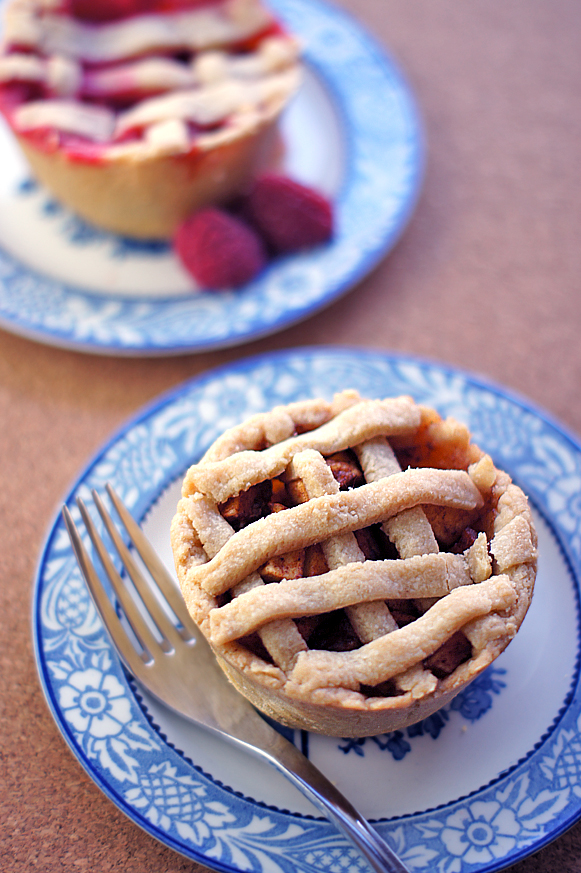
(135,113)
(353,564)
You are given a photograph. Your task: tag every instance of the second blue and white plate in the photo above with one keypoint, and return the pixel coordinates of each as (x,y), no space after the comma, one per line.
(352,131)
(473,789)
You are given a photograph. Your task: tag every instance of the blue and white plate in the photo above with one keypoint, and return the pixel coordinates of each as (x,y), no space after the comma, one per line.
(352,131)
(476,787)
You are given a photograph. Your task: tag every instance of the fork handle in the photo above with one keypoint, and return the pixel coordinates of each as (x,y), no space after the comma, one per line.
(311,782)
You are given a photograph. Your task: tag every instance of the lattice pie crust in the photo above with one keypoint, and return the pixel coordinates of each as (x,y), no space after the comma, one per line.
(354,563)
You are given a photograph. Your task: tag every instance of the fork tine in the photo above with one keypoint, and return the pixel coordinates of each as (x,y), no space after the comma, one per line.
(128,604)
(131,658)
(153,562)
(152,604)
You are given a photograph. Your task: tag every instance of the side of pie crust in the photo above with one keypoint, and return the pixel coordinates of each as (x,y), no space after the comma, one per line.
(354,564)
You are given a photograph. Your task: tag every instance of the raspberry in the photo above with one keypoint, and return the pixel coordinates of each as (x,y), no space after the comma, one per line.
(218,249)
(290,216)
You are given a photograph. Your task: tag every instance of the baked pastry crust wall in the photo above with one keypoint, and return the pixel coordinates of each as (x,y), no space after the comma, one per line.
(148,198)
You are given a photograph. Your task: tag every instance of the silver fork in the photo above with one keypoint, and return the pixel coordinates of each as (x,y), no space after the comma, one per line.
(178,667)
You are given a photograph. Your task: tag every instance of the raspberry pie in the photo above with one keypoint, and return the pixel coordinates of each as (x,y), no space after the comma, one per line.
(135,113)
(354,564)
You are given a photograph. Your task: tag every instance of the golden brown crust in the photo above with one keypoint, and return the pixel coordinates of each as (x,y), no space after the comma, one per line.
(468,604)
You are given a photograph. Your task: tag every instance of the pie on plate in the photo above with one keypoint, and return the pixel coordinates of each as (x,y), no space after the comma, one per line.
(355,563)
(135,113)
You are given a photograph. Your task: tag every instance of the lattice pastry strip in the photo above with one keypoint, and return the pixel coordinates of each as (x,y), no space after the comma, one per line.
(410,532)
(348,585)
(281,423)
(384,658)
(281,639)
(224,478)
(369,620)
(302,526)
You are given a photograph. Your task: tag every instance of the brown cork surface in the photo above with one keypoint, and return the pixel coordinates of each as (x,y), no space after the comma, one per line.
(487,277)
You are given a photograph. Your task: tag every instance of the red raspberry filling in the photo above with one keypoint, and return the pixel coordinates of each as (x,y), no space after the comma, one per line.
(100,11)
